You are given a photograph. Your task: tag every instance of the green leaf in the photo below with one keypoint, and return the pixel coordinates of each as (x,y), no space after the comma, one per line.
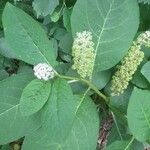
(69,122)
(5,147)
(118,132)
(66,18)
(121,102)
(5,49)
(45,7)
(101,78)
(26,37)
(65,43)
(34,96)
(113,24)
(12,125)
(2,5)
(118,145)
(138,114)
(3,74)
(138,145)
(146,70)
(139,80)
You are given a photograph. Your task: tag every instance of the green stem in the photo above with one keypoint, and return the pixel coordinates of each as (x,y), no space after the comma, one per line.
(127,147)
(92,86)
(117,127)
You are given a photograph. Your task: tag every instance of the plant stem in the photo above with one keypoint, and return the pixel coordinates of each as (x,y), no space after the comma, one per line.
(92,86)
(127,147)
(115,121)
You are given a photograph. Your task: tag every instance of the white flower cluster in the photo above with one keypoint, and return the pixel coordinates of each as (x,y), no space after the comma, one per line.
(144,39)
(83,53)
(44,71)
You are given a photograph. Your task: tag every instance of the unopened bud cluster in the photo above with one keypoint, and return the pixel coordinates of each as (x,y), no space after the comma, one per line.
(129,64)
(83,54)
(44,71)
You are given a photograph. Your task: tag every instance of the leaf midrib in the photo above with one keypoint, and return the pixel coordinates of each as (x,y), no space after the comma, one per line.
(102,30)
(9,109)
(30,37)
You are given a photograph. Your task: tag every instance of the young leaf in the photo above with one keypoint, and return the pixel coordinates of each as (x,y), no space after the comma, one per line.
(146,70)
(138,114)
(45,7)
(113,24)
(34,96)
(12,125)
(26,37)
(67,121)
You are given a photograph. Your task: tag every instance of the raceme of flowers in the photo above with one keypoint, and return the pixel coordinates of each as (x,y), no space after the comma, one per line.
(129,64)
(44,71)
(83,54)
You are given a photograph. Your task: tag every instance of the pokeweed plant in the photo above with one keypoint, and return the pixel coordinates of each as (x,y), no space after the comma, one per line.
(66,66)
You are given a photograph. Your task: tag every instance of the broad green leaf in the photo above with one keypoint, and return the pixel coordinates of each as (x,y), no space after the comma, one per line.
(26,37)
(146,71)
(5,49)
(69,122)
(45,7)
(119,145)
(138,114)
(113,24)
(12,125)
(34,96)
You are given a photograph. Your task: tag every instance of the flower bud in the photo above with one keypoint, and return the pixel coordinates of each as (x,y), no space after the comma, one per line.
(44,71)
